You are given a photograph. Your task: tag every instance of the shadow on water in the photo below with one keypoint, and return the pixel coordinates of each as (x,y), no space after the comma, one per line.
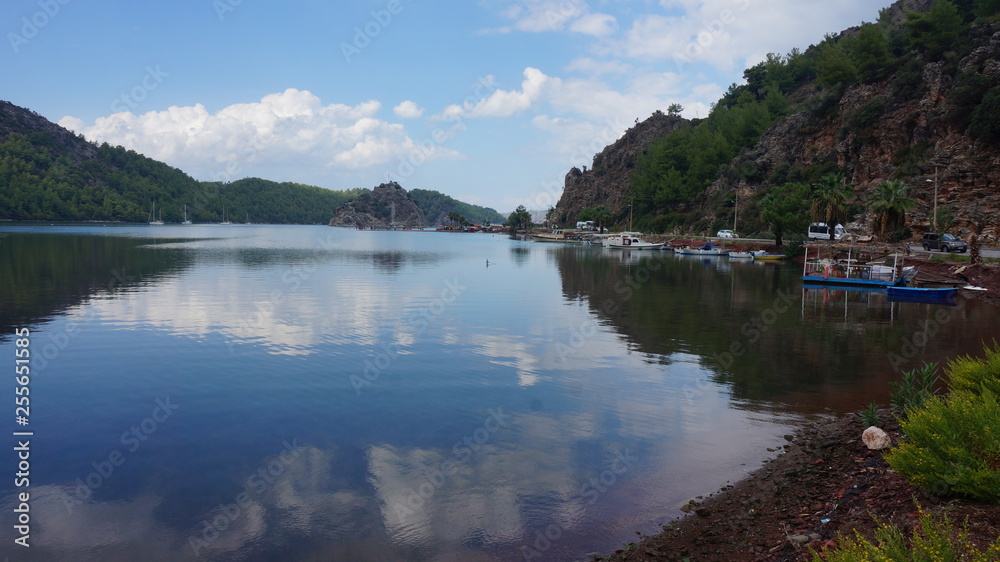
(43,275)
(773,343)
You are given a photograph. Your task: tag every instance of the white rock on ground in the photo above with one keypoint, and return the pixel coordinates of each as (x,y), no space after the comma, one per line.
(876,439)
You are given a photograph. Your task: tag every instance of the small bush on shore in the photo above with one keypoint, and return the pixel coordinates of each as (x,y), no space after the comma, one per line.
(916,388)
(932,539)
(869,415)
(952,446)
(975,375)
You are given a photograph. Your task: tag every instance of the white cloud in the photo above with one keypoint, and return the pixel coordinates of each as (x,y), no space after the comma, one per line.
(408,110)
(599,25)
(727,34)
(503,103)
(544,15)
(594,67)
(538,16)
(655,36)
(290,129)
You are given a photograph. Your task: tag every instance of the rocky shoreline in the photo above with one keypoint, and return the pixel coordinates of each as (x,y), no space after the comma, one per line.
(824,482)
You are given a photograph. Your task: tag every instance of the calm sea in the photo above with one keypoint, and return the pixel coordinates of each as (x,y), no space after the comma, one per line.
(300,393)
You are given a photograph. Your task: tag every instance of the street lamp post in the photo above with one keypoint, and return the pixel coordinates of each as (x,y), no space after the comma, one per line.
(935,180)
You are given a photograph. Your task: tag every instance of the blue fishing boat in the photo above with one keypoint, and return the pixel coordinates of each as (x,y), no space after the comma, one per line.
(923,293)
(850,272)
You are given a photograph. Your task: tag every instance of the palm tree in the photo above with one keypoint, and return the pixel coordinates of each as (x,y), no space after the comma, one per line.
(829,200)
(601,216)
(890,202)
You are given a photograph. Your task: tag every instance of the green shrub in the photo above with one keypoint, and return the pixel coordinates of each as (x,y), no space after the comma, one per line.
(913,390)
(952,446)
(909,80)
(985,123)
(932,539)
(793,248)
(866,116)
(869,415)
(974,375)
(909,158)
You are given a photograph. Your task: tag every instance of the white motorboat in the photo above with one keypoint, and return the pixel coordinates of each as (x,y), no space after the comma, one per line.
(630,242)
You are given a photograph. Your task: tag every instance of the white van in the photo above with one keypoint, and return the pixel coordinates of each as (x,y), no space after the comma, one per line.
(820,231)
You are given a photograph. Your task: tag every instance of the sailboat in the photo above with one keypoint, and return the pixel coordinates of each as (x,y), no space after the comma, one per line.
(224,219)
(153,219)
(186,221)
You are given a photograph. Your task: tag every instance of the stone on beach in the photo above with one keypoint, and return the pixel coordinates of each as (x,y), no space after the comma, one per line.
(876,439)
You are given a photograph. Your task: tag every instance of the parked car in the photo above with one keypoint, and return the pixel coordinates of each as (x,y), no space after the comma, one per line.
(820,231)
(945,242)
(727,234)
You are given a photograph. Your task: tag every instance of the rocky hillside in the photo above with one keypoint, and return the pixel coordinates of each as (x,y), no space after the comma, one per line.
(917,135)
(912,97)
(609,179)
(386,205)
(15,120)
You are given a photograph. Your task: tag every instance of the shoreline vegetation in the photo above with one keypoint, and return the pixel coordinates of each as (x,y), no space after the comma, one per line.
(828,496)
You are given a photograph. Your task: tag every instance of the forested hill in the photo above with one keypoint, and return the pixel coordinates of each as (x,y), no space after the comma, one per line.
(437,207)
(48,173)
(861,126)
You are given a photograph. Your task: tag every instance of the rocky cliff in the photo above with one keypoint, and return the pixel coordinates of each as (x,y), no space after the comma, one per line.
(917,137)
(608,181)
(913,124)
(388,205)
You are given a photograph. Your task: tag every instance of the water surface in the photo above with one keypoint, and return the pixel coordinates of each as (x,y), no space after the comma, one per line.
(279,392)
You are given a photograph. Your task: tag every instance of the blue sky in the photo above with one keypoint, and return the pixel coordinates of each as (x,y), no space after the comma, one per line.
(490,101)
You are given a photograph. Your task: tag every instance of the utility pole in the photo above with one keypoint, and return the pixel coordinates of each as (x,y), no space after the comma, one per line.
(934,217)
(935,198)
(736,208)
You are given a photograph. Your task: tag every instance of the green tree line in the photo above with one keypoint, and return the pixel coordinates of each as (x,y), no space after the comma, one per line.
(437,207)
(47,173)
(42,179)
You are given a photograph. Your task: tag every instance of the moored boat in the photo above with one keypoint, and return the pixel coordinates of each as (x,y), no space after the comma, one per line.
(631,243)
(928,293)
(767,257)
(557,235)
(153,218)
(616,238)
(852,272)
(708,249)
